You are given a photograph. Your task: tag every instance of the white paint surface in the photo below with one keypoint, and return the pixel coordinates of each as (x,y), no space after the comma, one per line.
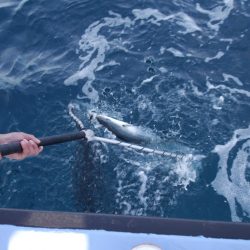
(27,238)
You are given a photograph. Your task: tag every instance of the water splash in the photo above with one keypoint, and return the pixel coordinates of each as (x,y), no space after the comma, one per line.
(186,172)
(143,188)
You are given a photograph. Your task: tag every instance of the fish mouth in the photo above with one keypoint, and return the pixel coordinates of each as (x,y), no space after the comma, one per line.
(102,119)
(113,125)
(107,123)
(110,123)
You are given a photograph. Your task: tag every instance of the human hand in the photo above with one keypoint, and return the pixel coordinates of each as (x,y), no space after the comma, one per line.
(28,142)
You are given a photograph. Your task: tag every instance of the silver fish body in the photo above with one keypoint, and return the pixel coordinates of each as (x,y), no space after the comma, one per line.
(124,131)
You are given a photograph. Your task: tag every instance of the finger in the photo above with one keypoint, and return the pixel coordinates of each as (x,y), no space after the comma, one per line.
(34,149)
(26,148)
(40,149)
(31,137)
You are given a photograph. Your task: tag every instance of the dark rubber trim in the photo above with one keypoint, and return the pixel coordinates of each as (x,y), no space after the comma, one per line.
(120,223)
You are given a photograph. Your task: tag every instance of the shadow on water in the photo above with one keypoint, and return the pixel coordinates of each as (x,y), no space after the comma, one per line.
(93,178)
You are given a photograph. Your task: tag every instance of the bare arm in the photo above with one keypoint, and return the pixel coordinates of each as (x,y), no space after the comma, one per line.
(28,142)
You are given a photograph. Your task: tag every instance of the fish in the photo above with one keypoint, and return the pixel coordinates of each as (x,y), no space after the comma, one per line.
(124,131)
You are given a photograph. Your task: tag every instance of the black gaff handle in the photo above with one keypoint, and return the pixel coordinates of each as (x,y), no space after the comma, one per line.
(15,147)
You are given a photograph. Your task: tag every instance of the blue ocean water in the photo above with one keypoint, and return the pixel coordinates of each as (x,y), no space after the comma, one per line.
(177,68)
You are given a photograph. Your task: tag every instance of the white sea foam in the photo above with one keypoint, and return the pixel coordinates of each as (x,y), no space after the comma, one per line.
(215,122)
(143,178)
(15,69)
(196,91)
(8,82)
(20,5)
(150,79)
(225,91)
(162,50)
(175,52)
(218,14)
(218,102)
(234,187)
(94,46)
(234,78)
(128,207)
(217,56)
(229,40)
(230,90)
(156,17)
(163,70)
(6,4)
(111,63)
(152,15)
(187,22)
